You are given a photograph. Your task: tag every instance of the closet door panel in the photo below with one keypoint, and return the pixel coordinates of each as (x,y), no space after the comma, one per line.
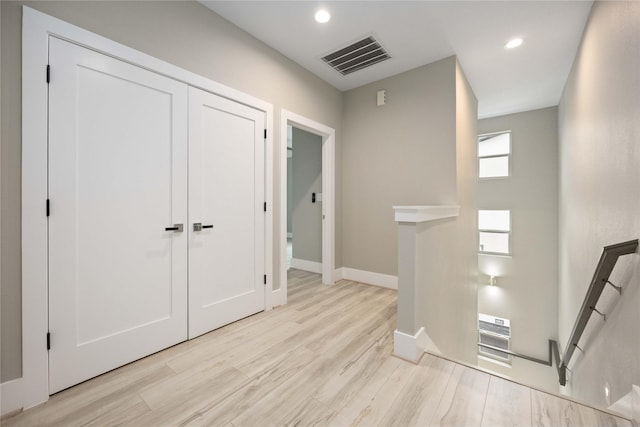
(226,196)
(117,179)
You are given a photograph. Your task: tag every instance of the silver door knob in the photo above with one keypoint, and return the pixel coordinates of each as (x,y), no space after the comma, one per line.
(197,226)
(176,227)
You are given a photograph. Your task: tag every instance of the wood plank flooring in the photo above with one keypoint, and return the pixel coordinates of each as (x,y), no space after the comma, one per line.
(324,359)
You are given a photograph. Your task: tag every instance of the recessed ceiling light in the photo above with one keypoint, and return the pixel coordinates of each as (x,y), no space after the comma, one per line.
(322,16)
(513,43)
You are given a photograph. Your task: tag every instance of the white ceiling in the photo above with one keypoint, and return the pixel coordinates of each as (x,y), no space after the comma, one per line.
(420,32)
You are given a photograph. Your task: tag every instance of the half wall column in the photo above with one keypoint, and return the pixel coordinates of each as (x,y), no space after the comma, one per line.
(410,338)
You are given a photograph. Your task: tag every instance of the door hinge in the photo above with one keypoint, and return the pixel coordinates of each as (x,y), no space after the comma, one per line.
(48,73)
(48,340)
(265,279)
(265,134)
(48,207)
(265,206)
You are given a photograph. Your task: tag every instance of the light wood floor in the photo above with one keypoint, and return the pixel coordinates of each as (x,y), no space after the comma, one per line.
(324,359)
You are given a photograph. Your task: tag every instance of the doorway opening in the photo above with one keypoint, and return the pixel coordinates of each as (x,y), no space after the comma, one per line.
(293,127)
(304,200)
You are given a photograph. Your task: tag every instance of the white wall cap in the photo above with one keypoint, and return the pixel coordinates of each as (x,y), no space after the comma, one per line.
(425,213)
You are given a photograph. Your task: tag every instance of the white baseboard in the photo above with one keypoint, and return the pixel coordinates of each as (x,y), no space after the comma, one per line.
(303,264)
(338,274)
(278,297)
(10,396)
(628,405)
(410,347)
(378,279)
(635,404)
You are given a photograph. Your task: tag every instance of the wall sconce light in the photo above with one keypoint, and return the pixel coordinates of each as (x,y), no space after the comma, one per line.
(493,280)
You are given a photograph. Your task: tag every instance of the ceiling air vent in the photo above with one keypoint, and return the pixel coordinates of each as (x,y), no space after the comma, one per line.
(356,56)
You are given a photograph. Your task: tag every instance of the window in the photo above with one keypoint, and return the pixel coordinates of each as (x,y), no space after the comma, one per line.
(494,151)
(495,229)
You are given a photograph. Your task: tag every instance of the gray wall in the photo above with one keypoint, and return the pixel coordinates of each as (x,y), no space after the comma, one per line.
(7,329)
(307,178)
(599,124)
(397,154)
(185,34)
(418,149)
(528,280)
(448,267)
(463,280)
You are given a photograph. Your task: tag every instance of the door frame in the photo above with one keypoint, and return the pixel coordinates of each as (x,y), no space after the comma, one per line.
(37,27)
(328,196)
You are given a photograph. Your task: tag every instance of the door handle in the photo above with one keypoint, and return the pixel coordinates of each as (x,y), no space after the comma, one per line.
(176,227)
(197,226)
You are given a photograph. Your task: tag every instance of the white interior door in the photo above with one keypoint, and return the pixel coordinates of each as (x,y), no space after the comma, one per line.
(226,196)
(117,179)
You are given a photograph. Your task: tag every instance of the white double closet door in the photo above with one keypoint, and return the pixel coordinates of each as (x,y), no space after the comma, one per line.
(156,229)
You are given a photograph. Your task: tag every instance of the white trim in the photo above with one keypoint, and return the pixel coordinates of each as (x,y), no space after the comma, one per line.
(36,29)
(628,405)
(303,264)
(410,347)
(491,360)
(371,278)
(424,213)
(328,195)
(269,152)
(635,404)
(338,274)
(276,297)
(35,310)
(11,396)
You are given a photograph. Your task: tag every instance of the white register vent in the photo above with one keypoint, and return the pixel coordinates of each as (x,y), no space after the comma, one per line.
(496,332)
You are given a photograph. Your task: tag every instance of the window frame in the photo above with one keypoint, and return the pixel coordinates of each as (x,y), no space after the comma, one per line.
(486,230)
(494,156)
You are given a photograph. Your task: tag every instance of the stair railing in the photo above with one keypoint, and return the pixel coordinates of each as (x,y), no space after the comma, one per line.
(608,259)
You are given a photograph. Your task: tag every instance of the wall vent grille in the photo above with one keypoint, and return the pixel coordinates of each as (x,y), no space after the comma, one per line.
(356,56)
(496,332)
